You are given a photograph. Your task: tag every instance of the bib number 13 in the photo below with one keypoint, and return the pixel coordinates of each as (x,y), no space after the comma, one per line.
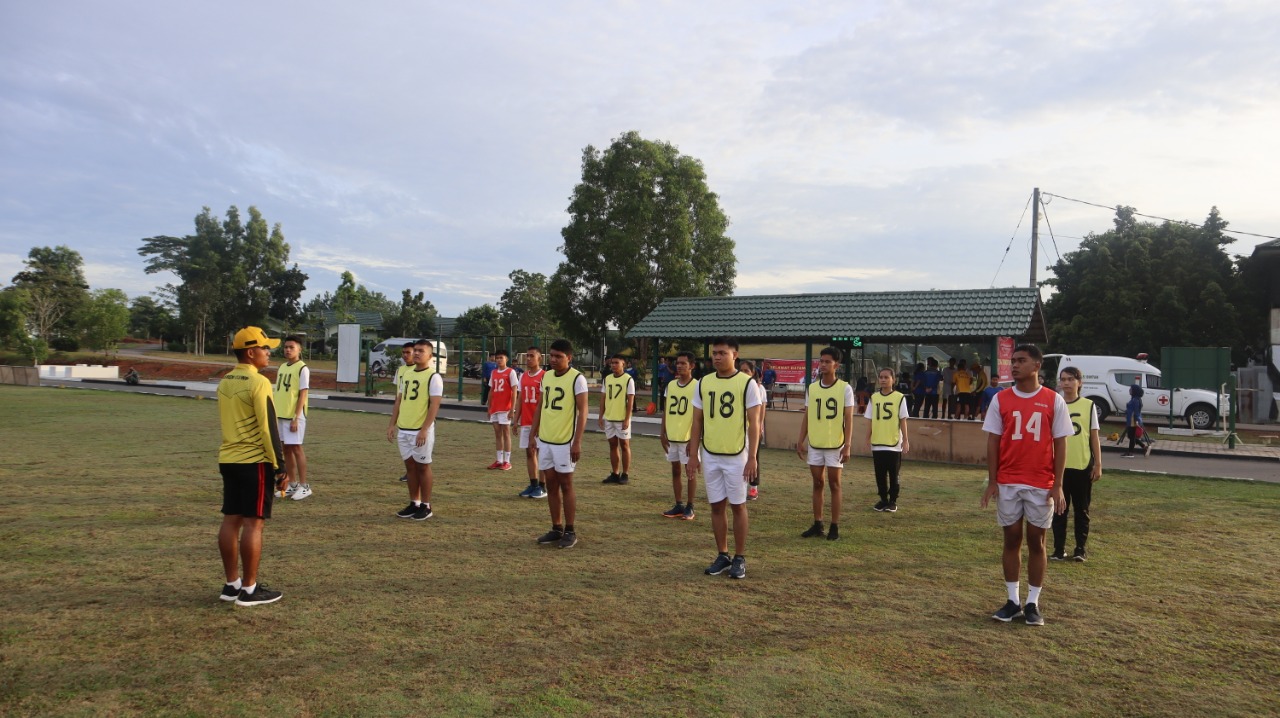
(1032,427)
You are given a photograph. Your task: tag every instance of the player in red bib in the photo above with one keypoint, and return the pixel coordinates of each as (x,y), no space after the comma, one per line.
(530,391)
(502,400)
(1027,429)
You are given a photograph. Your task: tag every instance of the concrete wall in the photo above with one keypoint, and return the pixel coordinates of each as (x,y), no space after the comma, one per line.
(79,371)
(942,441)
(20,375)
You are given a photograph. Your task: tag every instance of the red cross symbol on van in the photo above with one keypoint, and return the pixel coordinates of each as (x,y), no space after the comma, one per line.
(1162,400)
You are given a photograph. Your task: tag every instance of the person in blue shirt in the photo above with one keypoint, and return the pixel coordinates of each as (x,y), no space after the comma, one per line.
(931,380)
(1133,426)
(485,370)
(917,390)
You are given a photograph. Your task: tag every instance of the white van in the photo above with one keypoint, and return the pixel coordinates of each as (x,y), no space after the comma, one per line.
(386,348)
(1107,381)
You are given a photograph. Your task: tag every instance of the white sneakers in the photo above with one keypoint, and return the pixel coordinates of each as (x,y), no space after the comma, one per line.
(302,492)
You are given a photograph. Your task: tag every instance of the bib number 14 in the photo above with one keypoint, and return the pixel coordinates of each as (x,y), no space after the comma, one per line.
(1034,423)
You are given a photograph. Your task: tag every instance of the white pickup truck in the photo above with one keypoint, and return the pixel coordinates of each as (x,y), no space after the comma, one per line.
(1107,381)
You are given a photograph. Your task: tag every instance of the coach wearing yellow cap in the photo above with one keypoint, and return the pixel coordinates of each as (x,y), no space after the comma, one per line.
(251,464)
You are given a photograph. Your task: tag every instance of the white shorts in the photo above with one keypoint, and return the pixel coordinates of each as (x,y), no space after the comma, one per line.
(679,451)
(1018,501)
(290,437)
(555,456)
(500,417)
(825,457)
(725,477)
(614,430)
(526,433)
(408,447)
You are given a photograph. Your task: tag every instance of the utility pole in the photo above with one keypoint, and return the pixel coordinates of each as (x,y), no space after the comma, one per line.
(1035,232)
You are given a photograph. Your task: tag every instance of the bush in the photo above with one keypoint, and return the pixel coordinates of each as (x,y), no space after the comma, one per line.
(176,347)
(64,344)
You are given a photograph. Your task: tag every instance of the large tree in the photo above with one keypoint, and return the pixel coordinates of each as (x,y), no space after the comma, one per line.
(104,319)
(231,274)
(480,321)
(1142,286)
(416,318)
(524,306)
(149,318)
(55,289)
(643,226)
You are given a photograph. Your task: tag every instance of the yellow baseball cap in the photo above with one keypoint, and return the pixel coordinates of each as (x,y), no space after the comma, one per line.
(253,337)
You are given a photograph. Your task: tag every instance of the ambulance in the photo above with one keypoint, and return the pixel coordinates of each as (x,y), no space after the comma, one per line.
(1107,381)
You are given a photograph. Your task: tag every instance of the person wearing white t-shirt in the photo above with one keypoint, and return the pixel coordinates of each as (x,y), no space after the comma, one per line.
(887,434)
(826,438)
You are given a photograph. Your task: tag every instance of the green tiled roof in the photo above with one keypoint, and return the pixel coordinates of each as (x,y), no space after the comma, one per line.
(875,316)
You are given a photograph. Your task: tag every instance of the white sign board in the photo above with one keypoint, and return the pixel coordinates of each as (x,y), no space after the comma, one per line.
(349,353)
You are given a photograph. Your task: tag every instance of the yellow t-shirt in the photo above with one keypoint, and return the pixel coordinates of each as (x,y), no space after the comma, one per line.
(1079,446)
(724,413)
(963,380)
(559,413)
(826,414)
(680,410)
(615,397)
(287,388)
(886,424)
(415,398)
(248,417)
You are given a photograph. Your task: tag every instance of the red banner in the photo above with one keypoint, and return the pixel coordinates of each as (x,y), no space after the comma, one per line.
(791,371)
(1004,359)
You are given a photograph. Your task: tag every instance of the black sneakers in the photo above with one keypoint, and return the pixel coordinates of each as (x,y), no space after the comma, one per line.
(623,479)
(1059,555)
(568,539)
(812,531)
(260,597)
(892,507)
(552,536)
(720,565)
(612,479)
(674,512)
(1080,555)
(833,533)
(1032,614)
(229,592)
(738,567)
(408,511)
(1009,611)
(881,505)
(423,513)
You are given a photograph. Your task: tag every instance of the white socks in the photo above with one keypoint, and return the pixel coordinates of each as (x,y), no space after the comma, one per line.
(1033,594)
(235,584)
(250,589)
(1013,590)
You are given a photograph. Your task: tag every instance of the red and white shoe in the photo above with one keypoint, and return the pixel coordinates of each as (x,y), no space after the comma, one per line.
(496,465)
(753,493)
(505,467)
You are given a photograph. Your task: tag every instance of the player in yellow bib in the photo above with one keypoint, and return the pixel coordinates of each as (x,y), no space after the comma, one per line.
(826,437)
(557,428)
(406,364)
(293,384)
(677,424)
(617,402)
(413,428)
(723,441)
(887,434)
(1083,467)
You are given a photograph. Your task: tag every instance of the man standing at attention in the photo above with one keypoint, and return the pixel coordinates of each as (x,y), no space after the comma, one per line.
(530,391)
(617,401)
(502,399)
(250,462)
(557,429)
(677,422)
(413,428)
(1028,427)
(826,437)
(406,364)
(724,439)
(887,434)
(293,383)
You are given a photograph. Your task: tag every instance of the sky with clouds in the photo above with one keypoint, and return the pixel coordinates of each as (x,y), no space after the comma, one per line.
(855,146)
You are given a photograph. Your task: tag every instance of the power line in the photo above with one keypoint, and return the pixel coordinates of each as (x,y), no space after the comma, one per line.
(1045,206)
(1011,238)
(1152,216)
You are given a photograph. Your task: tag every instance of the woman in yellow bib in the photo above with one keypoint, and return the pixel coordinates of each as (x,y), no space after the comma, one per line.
(888,437)
(1083,467)
(826,436)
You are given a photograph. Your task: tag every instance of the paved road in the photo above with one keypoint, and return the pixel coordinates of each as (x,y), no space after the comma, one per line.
(1181,465)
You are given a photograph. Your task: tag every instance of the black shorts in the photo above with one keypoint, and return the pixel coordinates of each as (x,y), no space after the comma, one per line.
(247,489)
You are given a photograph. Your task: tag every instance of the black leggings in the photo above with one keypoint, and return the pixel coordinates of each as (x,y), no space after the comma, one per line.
(887,464)
(1077,488)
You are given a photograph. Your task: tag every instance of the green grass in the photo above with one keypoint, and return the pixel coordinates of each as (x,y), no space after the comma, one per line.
(109,514)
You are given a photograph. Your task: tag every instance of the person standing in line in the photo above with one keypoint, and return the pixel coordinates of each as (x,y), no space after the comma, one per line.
(887,435)
(948,390)
(964,390)
(1027,427)
(530,392)
(826,438)
(932,381)
(406,364)
(503,381)
(617,402)
(250,461)
(557,429)
(677,423)
(724,438)
(413,428)
(1083,467)
(980,383)
(293,383)
(747,367)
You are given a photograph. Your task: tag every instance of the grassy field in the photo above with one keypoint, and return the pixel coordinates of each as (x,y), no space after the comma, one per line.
(108,521)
